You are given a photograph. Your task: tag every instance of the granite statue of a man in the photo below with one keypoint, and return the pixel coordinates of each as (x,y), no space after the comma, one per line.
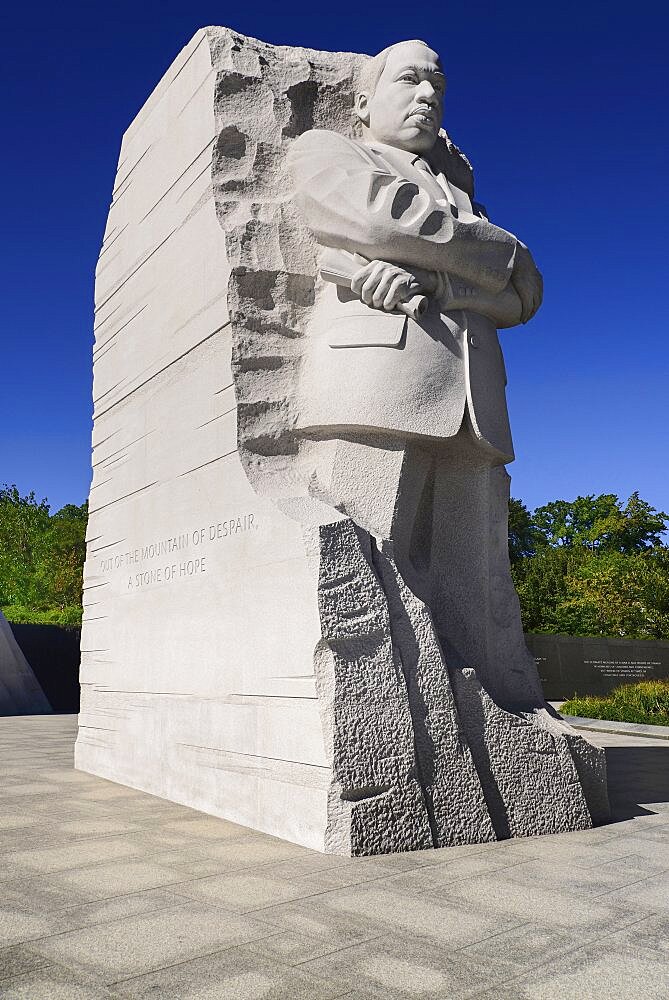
(402,394)
(417,402)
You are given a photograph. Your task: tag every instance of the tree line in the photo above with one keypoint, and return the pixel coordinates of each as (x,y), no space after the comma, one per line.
(592,566)
(41,559)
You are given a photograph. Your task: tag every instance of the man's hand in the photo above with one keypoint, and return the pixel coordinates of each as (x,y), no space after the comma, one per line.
(528,283)
(384,286)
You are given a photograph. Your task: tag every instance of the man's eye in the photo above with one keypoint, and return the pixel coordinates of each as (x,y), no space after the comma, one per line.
(407,78)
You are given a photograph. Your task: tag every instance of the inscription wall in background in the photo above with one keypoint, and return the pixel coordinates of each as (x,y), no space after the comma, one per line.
(571,665)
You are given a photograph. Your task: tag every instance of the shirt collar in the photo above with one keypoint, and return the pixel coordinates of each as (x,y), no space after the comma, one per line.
(397,153)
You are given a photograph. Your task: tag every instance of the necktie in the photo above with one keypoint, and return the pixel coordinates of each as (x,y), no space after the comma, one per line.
(444,291)
(439,178)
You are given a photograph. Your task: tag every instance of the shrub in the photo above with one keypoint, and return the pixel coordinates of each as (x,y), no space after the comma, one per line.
(69,615)
(646,702)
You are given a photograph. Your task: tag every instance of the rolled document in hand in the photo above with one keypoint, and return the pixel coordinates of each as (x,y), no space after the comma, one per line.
(340,266)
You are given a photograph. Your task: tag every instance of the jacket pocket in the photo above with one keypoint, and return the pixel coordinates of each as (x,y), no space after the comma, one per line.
(367,329)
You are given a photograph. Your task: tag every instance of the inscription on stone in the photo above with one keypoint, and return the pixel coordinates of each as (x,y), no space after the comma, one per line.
(576,665)
(634,670)
(184,552)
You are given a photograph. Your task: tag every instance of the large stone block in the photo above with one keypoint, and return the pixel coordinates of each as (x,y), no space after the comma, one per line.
(201,615)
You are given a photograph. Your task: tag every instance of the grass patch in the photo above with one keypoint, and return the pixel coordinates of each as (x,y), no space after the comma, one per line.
(646,702)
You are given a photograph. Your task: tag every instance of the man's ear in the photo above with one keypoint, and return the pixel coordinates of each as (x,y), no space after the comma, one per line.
(362,108)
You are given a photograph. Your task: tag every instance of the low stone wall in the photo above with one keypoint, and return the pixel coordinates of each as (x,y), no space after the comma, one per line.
(53,654)
(570,665)
(567,665)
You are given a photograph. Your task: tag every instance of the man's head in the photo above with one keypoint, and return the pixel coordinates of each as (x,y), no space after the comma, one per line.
(400,100)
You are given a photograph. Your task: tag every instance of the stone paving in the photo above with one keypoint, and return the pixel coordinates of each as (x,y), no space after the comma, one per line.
(111,893)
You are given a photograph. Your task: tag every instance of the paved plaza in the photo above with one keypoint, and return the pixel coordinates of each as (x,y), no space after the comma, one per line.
(109,893)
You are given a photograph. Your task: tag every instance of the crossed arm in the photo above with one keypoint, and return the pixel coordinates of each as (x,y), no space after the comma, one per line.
(407,235)
(383,286)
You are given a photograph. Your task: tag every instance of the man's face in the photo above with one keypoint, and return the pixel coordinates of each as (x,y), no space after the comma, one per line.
(407,106)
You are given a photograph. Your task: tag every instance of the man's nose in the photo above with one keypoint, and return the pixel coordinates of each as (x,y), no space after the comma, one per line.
(426,93)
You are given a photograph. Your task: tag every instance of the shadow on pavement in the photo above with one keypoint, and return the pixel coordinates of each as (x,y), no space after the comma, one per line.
(638,778)
(53,653)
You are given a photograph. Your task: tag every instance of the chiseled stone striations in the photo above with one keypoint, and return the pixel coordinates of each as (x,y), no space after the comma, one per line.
(184,694)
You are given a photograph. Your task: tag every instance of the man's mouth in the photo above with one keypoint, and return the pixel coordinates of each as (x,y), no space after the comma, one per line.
(423,116)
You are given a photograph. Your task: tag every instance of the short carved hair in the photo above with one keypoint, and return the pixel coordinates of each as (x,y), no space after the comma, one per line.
(371,71)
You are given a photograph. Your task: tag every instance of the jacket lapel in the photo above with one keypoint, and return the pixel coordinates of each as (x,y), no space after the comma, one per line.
(405,165)
(402,164)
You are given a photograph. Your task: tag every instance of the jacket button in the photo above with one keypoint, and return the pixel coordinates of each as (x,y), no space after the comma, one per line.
(474,340)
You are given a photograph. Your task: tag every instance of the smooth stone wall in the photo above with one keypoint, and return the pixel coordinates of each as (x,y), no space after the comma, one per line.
(201,616)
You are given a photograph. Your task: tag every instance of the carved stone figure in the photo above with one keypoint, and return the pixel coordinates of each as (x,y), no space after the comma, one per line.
(417,404)
(402,392)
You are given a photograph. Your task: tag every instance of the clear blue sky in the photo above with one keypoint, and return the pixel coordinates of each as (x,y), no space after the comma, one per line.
(562,109)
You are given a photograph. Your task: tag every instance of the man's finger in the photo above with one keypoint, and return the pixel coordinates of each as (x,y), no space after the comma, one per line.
(370,283)
(382,287)
(395,293)
(360,277)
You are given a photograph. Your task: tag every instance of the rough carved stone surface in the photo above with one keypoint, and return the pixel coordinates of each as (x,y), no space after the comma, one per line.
(453,795)
(528,775)
(307,629)
(265,96)
(378,804)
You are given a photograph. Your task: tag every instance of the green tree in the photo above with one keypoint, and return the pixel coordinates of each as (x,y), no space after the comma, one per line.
(598,568)
(601,523)
(59,568)
(41,558)
(523,533)
(617,594)
(542,585)
(639,528)
(24,523)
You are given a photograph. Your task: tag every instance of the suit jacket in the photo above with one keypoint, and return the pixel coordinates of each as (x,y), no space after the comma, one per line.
(370,371)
